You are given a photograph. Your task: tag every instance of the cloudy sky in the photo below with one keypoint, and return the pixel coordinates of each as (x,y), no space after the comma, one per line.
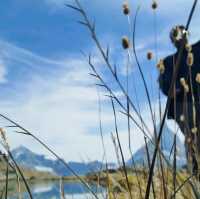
(44,77)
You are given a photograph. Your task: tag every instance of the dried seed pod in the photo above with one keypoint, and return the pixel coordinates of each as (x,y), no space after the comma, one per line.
(186,88)
(189,140)
(154,5)
(125,42)
(182,118)
(126,9)
(190,59)
(3,134)
(188,47)
(149,55)
(161,66)
(184,84)
(198,78)
(194,130)
(4,139)
(182,81)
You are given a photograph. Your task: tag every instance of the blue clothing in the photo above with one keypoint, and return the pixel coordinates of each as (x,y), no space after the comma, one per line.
(166,78)
(181,103)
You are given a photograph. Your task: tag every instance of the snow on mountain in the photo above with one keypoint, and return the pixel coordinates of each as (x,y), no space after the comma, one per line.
(29,159)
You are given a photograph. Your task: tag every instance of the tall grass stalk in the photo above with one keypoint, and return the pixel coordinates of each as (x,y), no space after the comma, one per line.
(120,148)
(28,133)
(177,65)
(6,189)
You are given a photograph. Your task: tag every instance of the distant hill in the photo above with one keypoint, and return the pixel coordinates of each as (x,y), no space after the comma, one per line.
(166,146)
(29,159)
(28,173)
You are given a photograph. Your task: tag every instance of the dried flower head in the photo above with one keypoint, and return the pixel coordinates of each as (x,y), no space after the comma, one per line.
(3,134)
(182,118)
(125,42)
(161,66)
(189,140)
(184,84)
(4,139)
(194,130)
(182,81)
(188,47)
(190,59)
(126,9)
(154,5)
(186,88)
(198,78)
(149,55)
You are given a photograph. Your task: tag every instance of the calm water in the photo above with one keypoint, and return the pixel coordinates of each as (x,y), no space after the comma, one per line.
(51,190)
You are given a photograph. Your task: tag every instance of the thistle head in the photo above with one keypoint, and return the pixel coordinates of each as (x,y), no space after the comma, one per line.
(126,9)
(184,85)
(149,55)
(188,47)
(198,78)
(182,118)
(190,59)
(4,139)
(194,130)
(125,42)
(154,5)
(161,66)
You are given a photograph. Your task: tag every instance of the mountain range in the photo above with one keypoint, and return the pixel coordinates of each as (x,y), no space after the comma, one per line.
(167,141)
(27,158)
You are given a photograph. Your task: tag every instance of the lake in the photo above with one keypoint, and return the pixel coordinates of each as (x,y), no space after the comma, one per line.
(51,190)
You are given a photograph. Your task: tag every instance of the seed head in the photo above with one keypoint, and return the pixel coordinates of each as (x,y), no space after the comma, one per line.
(161,66)
(194,130)
(182,81)
(126,9)
(3,134)
(189,140)
(186,88)
(4,139)
(198,78)
(182,118)
(149,55)
(188,47)
(184,84)
(190,59)
(154,5)
(125,42)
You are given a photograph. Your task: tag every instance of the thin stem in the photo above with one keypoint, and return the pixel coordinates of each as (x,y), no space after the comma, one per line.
(27,132)
(120,148)
(167,104)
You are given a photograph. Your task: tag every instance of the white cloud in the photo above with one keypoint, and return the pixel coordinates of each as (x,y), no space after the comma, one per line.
(14,53)
(63,111)
(60,108)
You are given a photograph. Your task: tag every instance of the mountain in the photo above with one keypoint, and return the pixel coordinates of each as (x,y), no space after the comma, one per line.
(167,141)
(29,159)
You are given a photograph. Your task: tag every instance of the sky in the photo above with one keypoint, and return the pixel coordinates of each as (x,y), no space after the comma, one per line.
(44,77)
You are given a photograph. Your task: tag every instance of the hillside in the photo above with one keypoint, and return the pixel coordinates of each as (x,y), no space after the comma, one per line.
(166,146)
(33,161)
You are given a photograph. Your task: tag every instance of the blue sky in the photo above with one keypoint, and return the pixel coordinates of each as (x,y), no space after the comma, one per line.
(44,79)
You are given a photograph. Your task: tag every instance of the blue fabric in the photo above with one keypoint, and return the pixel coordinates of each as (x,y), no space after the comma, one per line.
(166,78)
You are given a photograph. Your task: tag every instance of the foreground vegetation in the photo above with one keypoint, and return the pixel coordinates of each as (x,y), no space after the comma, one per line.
(116,184)
(162,180)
